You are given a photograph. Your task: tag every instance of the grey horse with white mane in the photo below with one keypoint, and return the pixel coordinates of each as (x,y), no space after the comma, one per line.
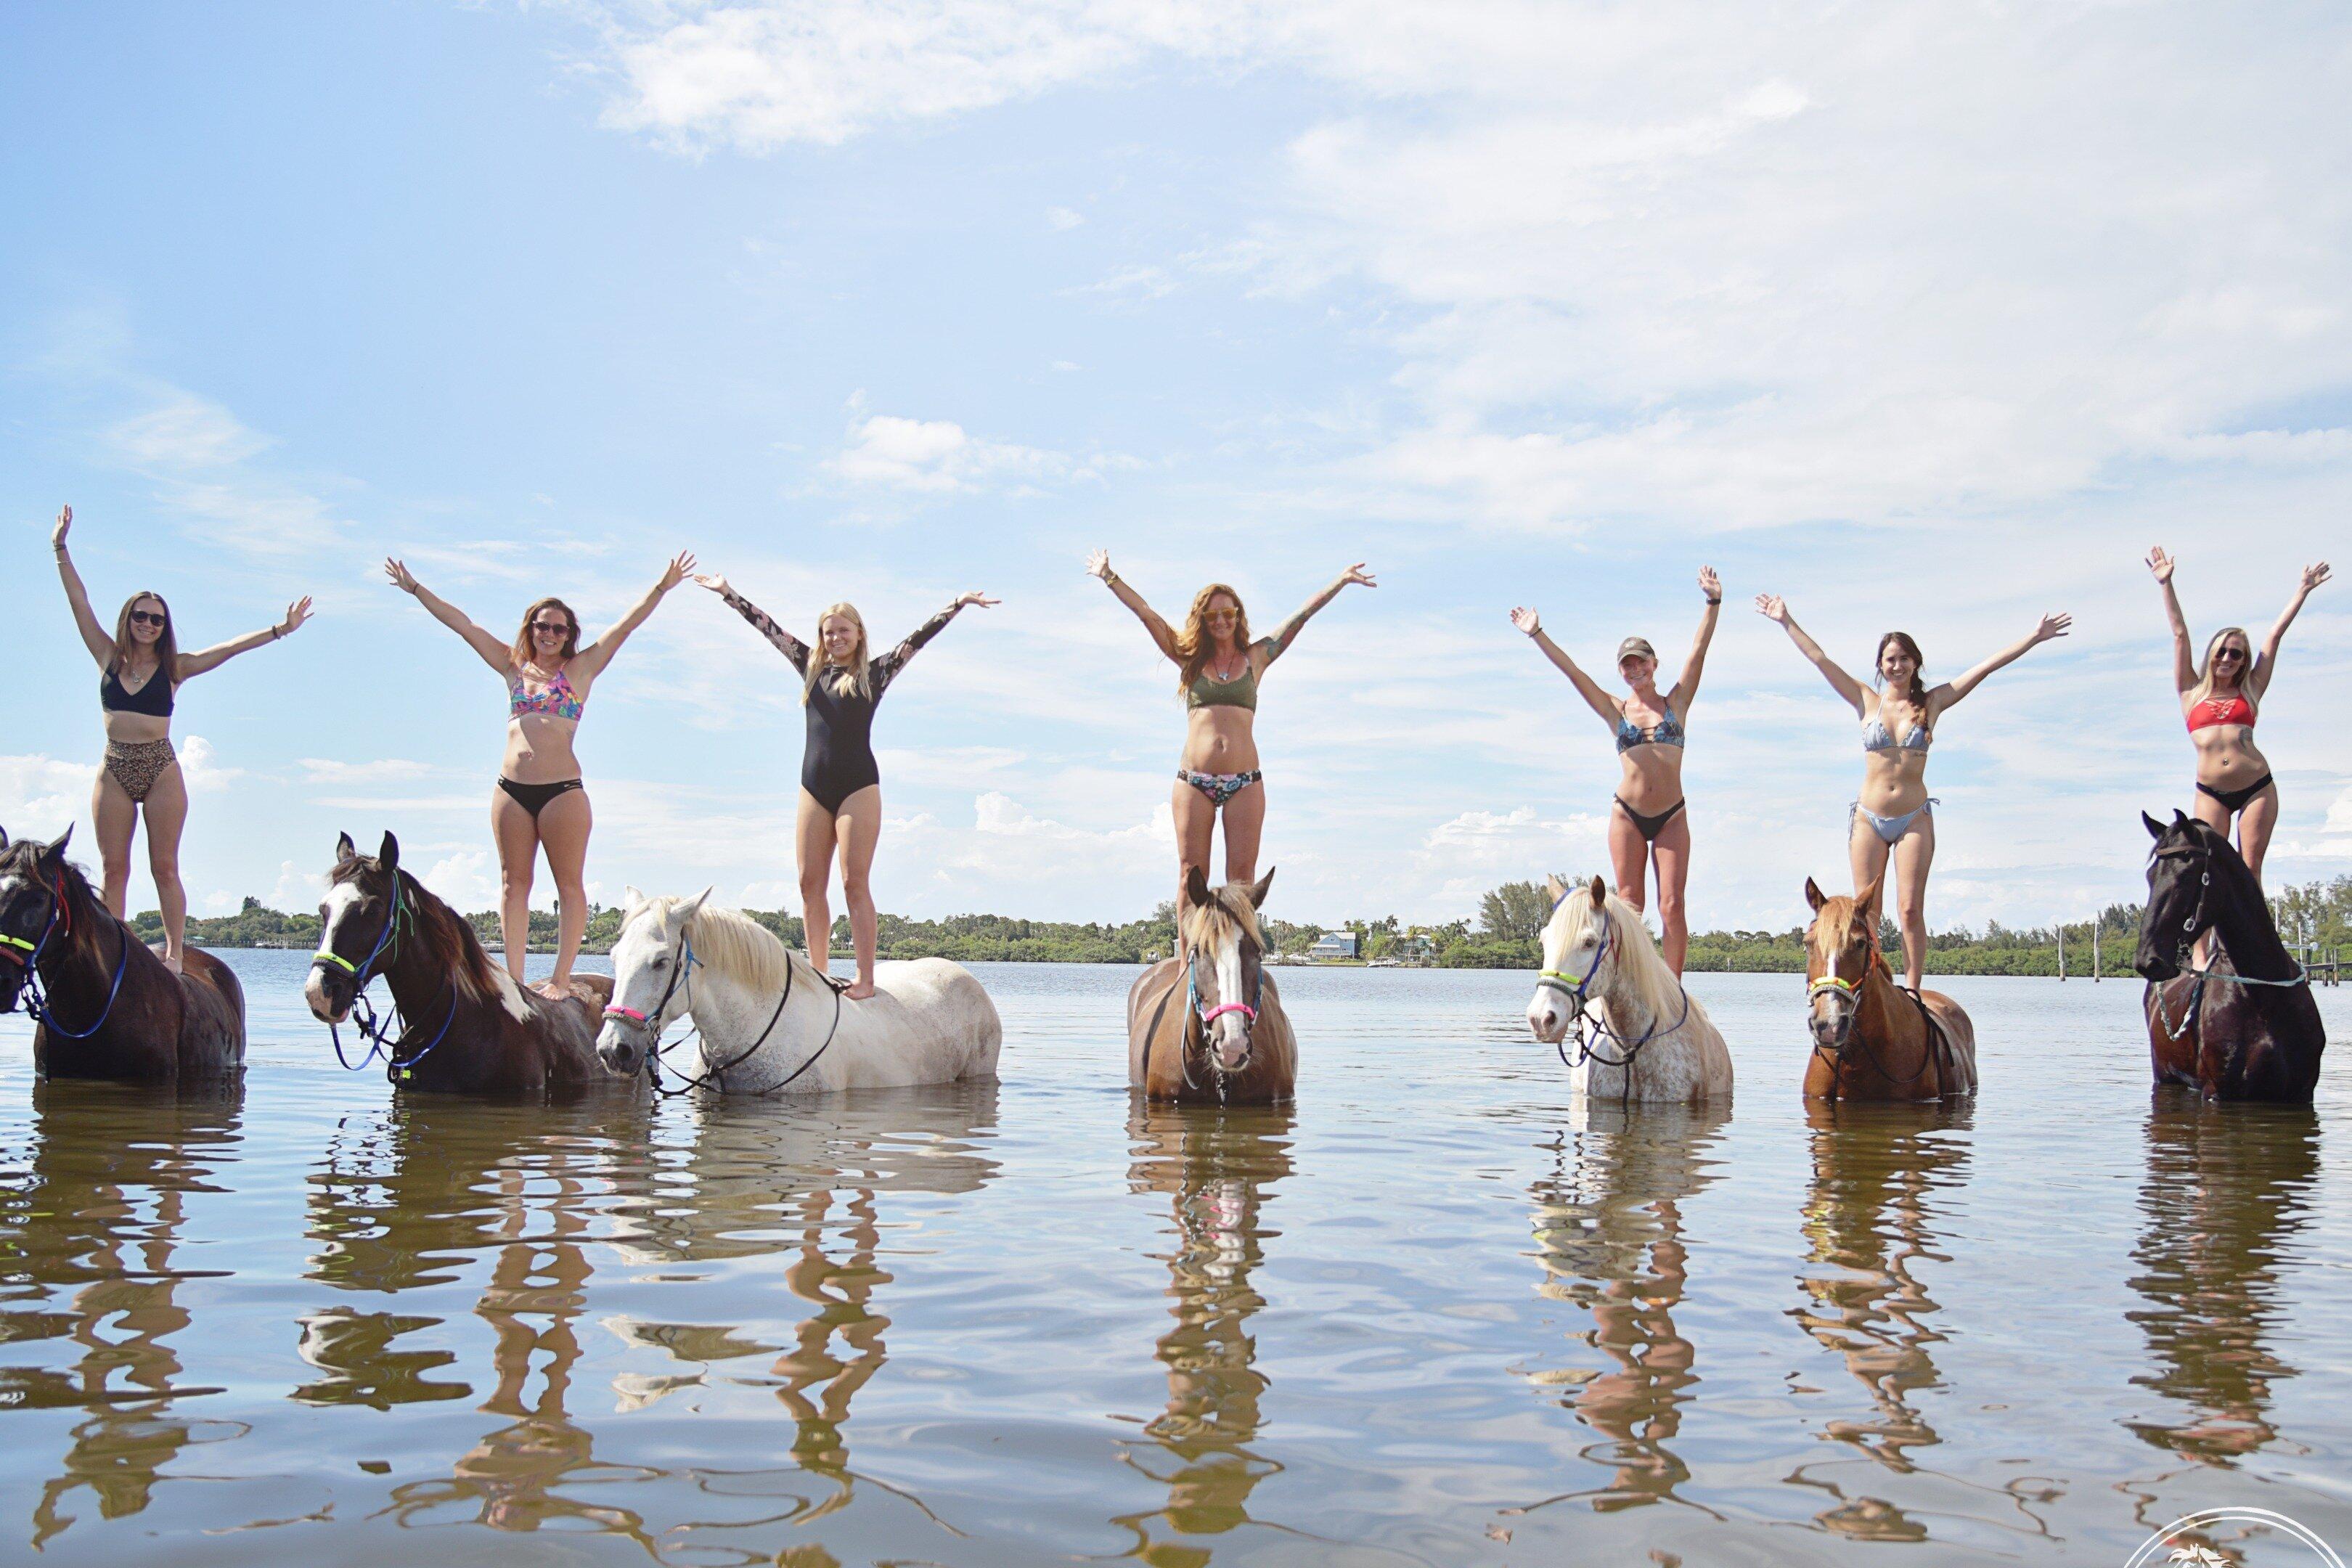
(769,1023)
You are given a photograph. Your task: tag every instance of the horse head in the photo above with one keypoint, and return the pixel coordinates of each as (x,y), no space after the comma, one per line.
(1226,969)
(1575,949)
(32,894)
(359,927)
(2182,902)
(651,961)
(1841,949)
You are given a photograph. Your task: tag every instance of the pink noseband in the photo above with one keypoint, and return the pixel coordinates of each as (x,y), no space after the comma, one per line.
(631,1014)
(1213,1013)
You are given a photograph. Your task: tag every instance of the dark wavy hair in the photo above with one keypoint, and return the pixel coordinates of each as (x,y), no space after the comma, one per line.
(1917,695)
(167,647)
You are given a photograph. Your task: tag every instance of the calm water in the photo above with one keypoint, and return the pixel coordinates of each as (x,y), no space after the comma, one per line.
(1437,1314)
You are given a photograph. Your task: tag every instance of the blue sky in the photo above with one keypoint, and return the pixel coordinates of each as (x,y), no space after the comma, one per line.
(1933,319)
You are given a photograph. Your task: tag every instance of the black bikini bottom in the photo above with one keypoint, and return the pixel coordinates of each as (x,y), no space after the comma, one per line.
(533,798)
(1648,826)
(2235,800)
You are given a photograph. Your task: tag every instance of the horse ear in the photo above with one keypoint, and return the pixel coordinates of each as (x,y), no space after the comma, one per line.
(1599,894)
(1815,896)
(54,857)
(4,838)
(2179,817)
(1196,886)
(2155,828)
(1258,887)
(693,906)
(1554,889)
(632,901)
(388,852)
(344,848)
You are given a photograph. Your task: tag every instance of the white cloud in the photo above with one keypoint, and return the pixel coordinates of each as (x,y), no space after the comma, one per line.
(185,432)
(1060,218)
(41,796)
(295,890)
(937,456)
(205,775)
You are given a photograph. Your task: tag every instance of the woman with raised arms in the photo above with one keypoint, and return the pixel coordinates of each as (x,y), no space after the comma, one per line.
(1893,817)
(539,802)
(841,783)
(1649,823)
(1218,669)
(2219,701)
(142,670)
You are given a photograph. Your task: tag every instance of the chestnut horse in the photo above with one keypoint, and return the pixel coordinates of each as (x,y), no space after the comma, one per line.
(1229,1043)
(468,1028)
(103,1004)
(2246,1027)
(1871,1039)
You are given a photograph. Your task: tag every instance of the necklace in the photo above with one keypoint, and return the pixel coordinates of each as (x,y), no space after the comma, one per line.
(1227,679)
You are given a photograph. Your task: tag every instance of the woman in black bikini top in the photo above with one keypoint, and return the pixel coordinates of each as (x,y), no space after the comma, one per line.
(841,785)
(143,669)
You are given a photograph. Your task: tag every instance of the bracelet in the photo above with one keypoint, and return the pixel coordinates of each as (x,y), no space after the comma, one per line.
(1716,600)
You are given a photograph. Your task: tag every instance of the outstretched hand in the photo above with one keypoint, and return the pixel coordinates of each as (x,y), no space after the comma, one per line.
(2052,626)
(2313,575)
(2160,564)
(1526,620)
(676,571)
(1357,574)
(57,534)
(983,600)
(1710,585)
(1099,564)
(296,613)
(401,576)
(714,582)
(1773,608)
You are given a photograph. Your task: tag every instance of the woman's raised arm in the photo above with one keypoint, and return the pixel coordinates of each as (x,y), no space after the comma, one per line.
(2184,653)
(1951,691)
(495,654)
(94,635)
(1686,688)
(2259,680)
(782,641)
(213,658)
(1526,620)
(1290,629)
(598,654)
(1774,608)
(1098,565)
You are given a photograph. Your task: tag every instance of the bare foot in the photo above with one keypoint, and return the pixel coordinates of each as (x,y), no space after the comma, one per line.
(555,990)
(859,990)
(172,961)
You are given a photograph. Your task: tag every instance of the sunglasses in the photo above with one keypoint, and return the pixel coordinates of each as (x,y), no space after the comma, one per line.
(1221,615)
(2228,653)
(147,618)
(551,628)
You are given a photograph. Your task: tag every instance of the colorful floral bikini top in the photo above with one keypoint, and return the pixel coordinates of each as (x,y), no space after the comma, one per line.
(556,698)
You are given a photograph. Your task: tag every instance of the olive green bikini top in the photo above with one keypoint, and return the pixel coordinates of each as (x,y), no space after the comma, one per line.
(1240,691)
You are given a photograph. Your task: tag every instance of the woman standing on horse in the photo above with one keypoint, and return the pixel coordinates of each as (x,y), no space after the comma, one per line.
(1649,823)
(143,669)
(1894,816)
(841,783)
(1218,671)
(539,802)
(2219,701)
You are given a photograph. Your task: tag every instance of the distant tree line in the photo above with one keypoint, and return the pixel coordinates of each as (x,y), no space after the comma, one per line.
(1508,934)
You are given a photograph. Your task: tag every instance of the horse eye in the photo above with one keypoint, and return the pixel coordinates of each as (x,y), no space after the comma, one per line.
(661,962)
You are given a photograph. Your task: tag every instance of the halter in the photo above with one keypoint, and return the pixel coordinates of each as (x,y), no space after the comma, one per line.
(1939,1045)
(1209,1015)
(1575,989)
(683,975)
(37,993)
(2188,929)
(384,1036)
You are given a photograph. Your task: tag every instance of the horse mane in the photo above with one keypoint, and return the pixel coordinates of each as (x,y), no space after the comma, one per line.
(23,855)
(731,944)
(1228,913)
(1646,971)
(1848,914)
(447,936)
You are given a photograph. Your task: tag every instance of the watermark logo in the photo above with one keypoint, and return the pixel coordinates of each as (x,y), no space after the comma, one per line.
(2168,1547)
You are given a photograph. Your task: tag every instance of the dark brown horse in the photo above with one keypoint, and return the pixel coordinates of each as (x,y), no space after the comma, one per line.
(466,1027)
(1871,1039)
(2246,1027)
(103,1004)
(1208,1028)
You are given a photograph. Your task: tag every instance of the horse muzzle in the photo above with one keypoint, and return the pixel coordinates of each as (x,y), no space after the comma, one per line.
(617,1046)
(1546,1019)
(2151,965)
(329,993)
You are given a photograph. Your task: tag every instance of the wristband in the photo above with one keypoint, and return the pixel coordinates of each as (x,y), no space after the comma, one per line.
(1716,600)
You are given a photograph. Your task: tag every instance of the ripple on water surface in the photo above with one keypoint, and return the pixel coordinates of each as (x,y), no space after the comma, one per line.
(1436,1312)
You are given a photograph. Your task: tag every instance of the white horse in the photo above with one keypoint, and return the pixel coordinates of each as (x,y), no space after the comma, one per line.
(1643,1037)
(769,1023)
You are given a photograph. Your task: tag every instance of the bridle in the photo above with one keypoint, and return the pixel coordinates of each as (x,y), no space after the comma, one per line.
(385,1038)
(1194,1013)
(2190,925)
(27,955)
(1577,989)
(1939,1045)
(652,1024)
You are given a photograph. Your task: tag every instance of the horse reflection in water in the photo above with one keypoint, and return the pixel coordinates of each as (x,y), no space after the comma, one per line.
(1218,1168)
(2228,1192)
(1609,1234)
(1871,1218)
(410,1200)
(91,1225)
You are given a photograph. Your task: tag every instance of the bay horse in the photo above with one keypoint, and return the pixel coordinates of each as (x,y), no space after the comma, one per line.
(1871,1040)
(104,1005)
(1229,1042)
(2247,1026)
(1651,1041)
(769,1020)
(468,1028)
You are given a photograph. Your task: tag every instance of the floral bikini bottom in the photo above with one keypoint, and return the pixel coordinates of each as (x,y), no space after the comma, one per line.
(1219,787)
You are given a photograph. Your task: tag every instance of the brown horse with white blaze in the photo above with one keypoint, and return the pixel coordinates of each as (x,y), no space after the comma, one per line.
(1871,1039)
(1208,1028)
(104,1005)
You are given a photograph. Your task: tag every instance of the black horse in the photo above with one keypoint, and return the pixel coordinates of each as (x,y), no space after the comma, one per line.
(467,1026)
(2245,1027)
(103,1004)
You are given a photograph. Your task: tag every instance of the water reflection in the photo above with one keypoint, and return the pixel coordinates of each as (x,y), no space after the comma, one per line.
(2227,1191)
(1218,1168)
(1871,1216)
(90,1219)
(1608,1232)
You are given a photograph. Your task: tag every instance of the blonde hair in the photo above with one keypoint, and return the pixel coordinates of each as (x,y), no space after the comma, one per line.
(1193,644)
(2204,687)
(853,679)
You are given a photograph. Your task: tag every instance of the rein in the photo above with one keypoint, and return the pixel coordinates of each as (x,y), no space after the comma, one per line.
(36,993)
(385,1037)
(1939,1047)
(683,973)
(1576,988)
(2189,926)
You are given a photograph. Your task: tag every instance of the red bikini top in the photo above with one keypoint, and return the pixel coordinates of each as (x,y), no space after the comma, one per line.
(2220,711)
